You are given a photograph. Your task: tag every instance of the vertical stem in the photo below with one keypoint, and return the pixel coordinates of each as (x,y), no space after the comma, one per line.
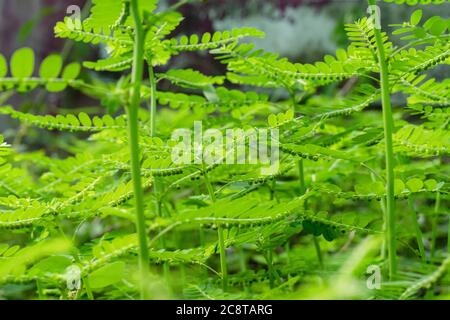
(132,110)
(434,225)
(87,288)
(301,174)
(223,257)
(448,236)
(287,249)
(269,259)
(272,189)
(383,211)
(209,187)
(156,184)
(40,290)
(152,107)
(243,267)
(417,229)
(242,263)
(318,251)
(388,130)
(151,76)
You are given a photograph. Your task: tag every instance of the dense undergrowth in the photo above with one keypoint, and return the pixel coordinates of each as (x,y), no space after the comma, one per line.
(358,207)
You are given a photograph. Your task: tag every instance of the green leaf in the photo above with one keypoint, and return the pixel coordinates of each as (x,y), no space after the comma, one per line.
(363,188)
(84,119)
(420,33)
(22,63)
(108,120)
(97,122)
(414,185)
(438,27)
(289,115)
(272,120)
(430,184)
(378,187)
(3,66)
(107,275)
(51,67)
(72,120)
(184,40)
(11,251)
(416,17)
(206,37)
(54,264)
(194,39)
(71,71)
(3,246)
(399,186)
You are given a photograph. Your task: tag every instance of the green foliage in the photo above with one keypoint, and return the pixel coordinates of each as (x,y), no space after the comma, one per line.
(416,2)
(22,66)
(80,122)
(227,230)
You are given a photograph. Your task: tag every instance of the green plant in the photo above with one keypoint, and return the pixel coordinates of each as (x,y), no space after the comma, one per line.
(345,165)
(388,124)
(133,136)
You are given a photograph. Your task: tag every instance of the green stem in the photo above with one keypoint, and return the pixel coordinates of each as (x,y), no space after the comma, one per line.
(388,130)
(132,111)
(40,290)
(301,174)
(419,236)
(318,251)
(269,259)
(151,77)
(87,288)
(434,225)
(209,187)
(223,257)
(156,182)
(383,255)
(448,237)
(152,110)
(287,249)
(243,267)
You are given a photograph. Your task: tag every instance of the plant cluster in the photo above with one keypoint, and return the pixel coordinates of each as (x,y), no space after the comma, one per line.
(360,183)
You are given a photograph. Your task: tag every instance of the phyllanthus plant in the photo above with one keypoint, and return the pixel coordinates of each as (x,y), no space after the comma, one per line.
(324,176)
